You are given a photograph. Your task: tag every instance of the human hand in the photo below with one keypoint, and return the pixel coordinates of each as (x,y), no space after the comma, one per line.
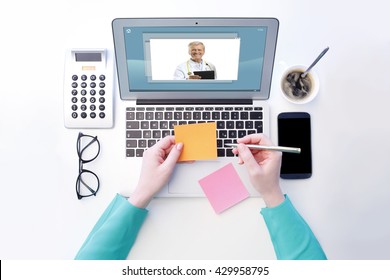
(157,166)
(194,77)
(263,167)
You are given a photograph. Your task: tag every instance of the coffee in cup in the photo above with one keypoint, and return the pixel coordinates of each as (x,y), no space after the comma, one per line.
(298,89)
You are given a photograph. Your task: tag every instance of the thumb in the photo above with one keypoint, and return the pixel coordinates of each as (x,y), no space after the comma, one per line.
(247,157)
(174,155)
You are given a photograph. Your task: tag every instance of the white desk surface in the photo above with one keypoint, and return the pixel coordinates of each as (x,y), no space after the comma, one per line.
(346,202)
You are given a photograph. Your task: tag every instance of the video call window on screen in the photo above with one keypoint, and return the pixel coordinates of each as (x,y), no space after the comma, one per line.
(167,55)
(233,54)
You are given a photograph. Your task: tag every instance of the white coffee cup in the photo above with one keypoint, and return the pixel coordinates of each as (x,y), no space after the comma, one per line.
(296,89)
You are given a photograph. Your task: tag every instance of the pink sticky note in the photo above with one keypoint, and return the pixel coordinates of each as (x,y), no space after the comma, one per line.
(223,188)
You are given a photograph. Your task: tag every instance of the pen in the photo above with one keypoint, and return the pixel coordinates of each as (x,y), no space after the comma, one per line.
(272,148)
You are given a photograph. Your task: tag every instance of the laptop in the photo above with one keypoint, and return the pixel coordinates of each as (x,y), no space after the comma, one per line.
(155,59)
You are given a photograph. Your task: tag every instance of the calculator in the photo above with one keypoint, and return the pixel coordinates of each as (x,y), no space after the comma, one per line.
(88,88)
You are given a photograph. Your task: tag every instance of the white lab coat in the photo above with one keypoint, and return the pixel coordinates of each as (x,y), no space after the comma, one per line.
(188,67)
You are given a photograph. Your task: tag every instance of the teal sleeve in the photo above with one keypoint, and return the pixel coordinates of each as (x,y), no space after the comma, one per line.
(291,236)
(115,232)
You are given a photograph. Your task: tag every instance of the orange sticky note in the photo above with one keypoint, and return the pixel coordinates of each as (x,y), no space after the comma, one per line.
(200,141)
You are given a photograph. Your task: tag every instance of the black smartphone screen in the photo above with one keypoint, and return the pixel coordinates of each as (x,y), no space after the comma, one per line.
(294,130)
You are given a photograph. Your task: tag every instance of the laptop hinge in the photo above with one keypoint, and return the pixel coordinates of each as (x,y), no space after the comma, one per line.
(194,101)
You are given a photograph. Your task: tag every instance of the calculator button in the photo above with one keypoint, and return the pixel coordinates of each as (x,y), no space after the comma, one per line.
(88,105)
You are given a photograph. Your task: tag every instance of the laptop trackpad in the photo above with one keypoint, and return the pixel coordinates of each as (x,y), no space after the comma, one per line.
(185,178)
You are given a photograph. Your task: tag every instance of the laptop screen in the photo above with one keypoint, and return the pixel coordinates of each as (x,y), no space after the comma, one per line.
(182,58)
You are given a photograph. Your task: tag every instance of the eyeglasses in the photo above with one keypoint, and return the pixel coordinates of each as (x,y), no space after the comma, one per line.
(88,148)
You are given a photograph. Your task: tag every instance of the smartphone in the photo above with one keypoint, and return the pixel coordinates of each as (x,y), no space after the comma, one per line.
(294,130)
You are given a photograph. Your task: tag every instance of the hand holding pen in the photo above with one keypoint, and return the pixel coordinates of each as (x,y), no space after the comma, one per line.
(263,167)
(269,148)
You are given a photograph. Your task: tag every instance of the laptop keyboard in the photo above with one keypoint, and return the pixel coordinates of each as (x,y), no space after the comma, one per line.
(146,125)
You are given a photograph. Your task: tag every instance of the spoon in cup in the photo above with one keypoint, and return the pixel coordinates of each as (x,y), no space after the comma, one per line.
(303,75)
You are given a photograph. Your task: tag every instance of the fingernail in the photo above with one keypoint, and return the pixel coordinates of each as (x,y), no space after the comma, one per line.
(179,146)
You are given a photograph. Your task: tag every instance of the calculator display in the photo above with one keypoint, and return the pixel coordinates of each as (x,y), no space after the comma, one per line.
(88,56)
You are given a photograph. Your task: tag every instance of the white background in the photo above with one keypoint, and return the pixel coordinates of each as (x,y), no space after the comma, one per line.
(346,202)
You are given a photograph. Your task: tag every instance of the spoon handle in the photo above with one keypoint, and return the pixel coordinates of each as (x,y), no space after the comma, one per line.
(303,75)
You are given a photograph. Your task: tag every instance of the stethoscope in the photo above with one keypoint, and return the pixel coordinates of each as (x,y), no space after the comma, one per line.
(188,67)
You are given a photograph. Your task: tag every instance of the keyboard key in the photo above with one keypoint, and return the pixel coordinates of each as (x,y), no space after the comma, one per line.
(149,115)
(223,134)
(259,126)
(206,115)
(249,124)
(165,133)
(139,115)
(244,115)
(225,115)
(142,143)
(256,115)
(220,125)
(229,124)
(220,152)
(187,115)
(163,125)
(168,115)
(131,143)
(151,142)
(132,125)
(159,116)
(139,152)
(235,115)
(178,116)
(147,134)
(154,125)
(229,153)
(130,116)
(233,134)
(134,134)
(130,152)
(197,115)
(216,115)
(241,133)
(144,125)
